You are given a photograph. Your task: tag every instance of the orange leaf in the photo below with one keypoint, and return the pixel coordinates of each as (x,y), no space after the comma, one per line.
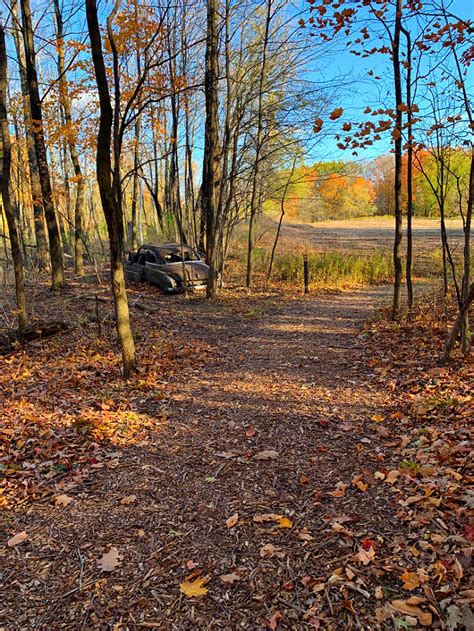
(337,113)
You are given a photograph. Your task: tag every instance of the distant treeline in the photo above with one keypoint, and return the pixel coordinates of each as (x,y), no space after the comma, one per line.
(338,189)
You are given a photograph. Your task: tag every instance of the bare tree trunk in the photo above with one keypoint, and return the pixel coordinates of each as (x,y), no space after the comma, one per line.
(458,324)
(211,140)
(397,245)
(5,150)
(409,256)
(42,254)
(466,280)
(55,248)
(109,182)
(280,221)
(255,182)
(135,187)
(78,176)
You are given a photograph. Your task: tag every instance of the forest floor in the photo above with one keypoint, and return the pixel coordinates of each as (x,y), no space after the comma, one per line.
(278,462)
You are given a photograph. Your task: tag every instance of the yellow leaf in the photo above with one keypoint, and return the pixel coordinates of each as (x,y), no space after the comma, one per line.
(378,418)
(284,522)
(194,588)
(410,580)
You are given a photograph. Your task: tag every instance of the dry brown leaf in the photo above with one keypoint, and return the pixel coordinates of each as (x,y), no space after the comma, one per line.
(109,560)
(251,431)
(365,556)
(194,588)
(267,454)
(274,620)
(259,519)
(361,485)
(128,499)
(413,499)
(18,538)
(230,579)
(230,523)
(409,607)
(62,500)
(269,550)
(305,535)
(379,592)
(392,476)
(339,491)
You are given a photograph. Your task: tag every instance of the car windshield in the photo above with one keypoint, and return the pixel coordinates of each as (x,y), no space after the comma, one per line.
(174,256)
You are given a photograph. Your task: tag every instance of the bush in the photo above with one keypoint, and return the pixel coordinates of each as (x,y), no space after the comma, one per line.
(335,269)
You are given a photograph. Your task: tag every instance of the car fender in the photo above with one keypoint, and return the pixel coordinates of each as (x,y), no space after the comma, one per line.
(160,278)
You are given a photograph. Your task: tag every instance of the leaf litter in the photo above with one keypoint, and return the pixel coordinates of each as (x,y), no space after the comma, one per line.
(382,533)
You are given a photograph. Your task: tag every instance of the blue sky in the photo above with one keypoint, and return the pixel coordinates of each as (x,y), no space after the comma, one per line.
(364,91)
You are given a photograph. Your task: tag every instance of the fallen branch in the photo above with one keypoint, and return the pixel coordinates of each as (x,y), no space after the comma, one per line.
(11,340)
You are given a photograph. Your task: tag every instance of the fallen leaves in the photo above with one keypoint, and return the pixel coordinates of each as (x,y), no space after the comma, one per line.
(110,560)
(128,499)
(62,500)
(230,579)
(392,476)
(365,556)
(17,539)
(267,454)
(270,550)
(281,520)
(232,521)
(410,580)
(194,588)
(411,608)
(339,491)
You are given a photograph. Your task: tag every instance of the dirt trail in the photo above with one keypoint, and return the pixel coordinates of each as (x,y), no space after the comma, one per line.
(289,380)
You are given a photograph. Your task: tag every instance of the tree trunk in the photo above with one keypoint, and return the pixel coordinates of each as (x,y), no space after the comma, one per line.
(409,257)
(255,182)
(466,280)
(397,245)
(55,248)
(5,150)
(109,182)
(42,254)
(211,139)
(458,323)
(65,101)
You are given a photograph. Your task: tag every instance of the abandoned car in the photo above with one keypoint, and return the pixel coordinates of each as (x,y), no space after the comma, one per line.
(163,265)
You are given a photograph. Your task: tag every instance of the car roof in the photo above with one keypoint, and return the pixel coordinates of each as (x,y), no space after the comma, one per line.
(167,246)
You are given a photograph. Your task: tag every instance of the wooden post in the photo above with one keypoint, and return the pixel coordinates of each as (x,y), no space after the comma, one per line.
(306,273)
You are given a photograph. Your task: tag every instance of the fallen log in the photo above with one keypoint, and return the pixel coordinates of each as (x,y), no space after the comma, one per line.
(11,340)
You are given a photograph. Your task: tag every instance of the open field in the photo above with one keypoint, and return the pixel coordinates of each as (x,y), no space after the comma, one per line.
(343,253)
(358,235)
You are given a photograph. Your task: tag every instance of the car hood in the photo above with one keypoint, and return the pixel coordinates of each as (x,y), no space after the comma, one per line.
(195,270)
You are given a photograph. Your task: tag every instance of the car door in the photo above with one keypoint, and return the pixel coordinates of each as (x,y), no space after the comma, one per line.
(135,269)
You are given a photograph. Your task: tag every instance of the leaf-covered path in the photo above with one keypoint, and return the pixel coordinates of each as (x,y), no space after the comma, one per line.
(263,486)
